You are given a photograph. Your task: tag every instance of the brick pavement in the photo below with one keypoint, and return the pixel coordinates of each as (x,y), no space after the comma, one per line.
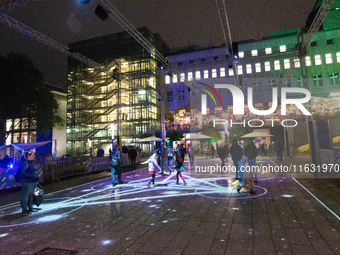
(207,216)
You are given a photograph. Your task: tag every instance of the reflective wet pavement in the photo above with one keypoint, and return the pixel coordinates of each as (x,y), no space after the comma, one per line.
(207,216)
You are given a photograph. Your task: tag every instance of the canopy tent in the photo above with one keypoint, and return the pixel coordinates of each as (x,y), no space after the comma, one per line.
(197,137)
(25,146)
(256,134)
(150,139)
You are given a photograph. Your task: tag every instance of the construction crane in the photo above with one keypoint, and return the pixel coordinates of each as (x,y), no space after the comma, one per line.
(222,11)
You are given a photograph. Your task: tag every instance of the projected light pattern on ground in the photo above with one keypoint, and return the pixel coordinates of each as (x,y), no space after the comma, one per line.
(62,204)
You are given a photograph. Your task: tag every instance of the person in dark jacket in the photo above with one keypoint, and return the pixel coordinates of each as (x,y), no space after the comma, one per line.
(222,153)
(236,154)
(29,179)
(251,153)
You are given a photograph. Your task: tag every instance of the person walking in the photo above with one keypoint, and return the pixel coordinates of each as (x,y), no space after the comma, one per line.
(221,154)
(170,156)
(179,168)
(251,153)
(152,161)
(227,152)
(279,149)
(236,154)
(212,151)
(29,179)
(191,153)
(164,155)
(116,165)
(133,156)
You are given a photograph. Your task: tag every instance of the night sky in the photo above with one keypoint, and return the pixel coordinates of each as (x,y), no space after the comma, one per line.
(180,23)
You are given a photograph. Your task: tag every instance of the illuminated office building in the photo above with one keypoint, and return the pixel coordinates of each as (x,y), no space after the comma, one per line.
(128,92)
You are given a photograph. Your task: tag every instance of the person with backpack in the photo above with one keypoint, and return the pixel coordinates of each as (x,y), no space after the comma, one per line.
(152,161)
(29,178)
(116,165)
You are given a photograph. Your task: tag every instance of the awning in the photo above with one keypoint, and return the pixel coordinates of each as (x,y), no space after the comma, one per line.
(150,139)
(197,137)
(256,134)
(25,146)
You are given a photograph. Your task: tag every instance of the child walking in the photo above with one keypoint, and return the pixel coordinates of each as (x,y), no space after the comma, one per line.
(179,168)
(152,161)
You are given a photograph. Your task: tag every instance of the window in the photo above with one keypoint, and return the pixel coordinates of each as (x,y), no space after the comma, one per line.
(167,79)
(299,82)
(313,44)
(308,61)
(297,62)
(254,53)
(222,72)
(170,96)
(283,48)
(317,60)
(202,60)
(191,61)
(248,68)
(205,74)
(174,78)
(215,58)
(179,63)
(241,54)
(243,86)
(277,65)
(330,41)
(268,50)
(182,77)
(213,73)
(181,95)
(338,57)
(258,67)
(317,80)
(286,63)
(333,79)
(239,70)
(190,78)
(271,84)
(267,66)
(257,86)
(197,75)
(329,59)
(231,72)
(288,83)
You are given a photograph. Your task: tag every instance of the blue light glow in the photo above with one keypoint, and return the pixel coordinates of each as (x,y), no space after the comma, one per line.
(106,242)
(50,218)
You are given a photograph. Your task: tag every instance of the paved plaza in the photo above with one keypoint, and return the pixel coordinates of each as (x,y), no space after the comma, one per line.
(208,216)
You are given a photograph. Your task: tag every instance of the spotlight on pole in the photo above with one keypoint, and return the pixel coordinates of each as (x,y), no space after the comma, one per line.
(101,13)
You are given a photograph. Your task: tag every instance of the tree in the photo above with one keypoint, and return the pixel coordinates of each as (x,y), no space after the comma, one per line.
(175,135)
(213,132)
(24,95)
(238,132)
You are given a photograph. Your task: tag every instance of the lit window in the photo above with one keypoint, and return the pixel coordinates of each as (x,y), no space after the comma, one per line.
(329,59)
(286,63)
(231,72)
(283,48)
(174,78)
(182,77)
(277,65)
(257,86)
(308,61)
(241,54)
(197,75)
(268,50)
(254,53)
(267,66)
(213,73)
(205,74)
(317,80)
(338,57)
(167,79)
(248,68)
(333,79)
(297,62)
(190,78)
(258,67)
(239,70)
(317,60)
(222,72)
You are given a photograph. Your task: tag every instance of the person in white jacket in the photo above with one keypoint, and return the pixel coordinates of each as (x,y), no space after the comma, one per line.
(152,161)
